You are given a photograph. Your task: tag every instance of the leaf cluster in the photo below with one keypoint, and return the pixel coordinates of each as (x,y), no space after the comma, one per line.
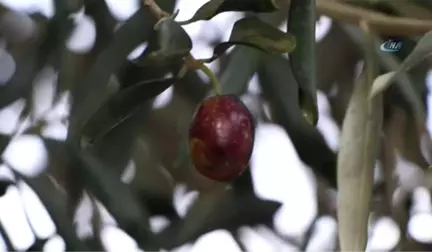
(112,121)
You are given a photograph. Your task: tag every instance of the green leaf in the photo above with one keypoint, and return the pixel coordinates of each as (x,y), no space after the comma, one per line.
(405,83)
(255,33)
(72,179)
(358,151)
(117,197)
(281,90)
(63,25)
(87,98)
(4,141)
(121,106)
(243,63)
(215,209)
(420,52)
(214,7)
(301,23)
(192,87)
(115,147)
(173,42)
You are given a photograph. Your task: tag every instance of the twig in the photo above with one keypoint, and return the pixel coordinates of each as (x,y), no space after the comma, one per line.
(381,24)
(155,9)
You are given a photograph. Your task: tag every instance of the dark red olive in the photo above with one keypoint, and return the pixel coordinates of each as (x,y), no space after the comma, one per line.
(221,138)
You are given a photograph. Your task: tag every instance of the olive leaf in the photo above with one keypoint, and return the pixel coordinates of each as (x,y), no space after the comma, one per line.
(243,63)
(173,43)
(215,209)
(86,97)
(255,33)
(4,141)
(390,63)
(360,138)
(301,23)
(420,52)
(121,106)
(102,182)
(282,91)
(214,7)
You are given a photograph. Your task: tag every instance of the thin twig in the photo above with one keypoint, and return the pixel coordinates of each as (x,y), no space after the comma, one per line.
(155,9)
(381,24)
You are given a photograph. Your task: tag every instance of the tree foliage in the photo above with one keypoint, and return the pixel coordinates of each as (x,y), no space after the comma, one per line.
(111,119)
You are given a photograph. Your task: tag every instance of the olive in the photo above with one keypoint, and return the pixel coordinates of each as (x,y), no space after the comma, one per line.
(221,137)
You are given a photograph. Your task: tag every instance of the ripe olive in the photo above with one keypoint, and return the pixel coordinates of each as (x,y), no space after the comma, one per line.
(221,137)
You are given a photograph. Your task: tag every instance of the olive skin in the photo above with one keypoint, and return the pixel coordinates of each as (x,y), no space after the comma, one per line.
(221,138)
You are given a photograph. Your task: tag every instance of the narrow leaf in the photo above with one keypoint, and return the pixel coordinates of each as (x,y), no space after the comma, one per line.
(420,52)
(65,60)
(115,147)
(243,63)
(301,23)
(215,209)
(117,197)
(173,42)
(5,184)
(358,153)
(88,99)
(391,63)
(4,141)
(279,86)
(214,7)
(356,159)
(121,106)
(257,34)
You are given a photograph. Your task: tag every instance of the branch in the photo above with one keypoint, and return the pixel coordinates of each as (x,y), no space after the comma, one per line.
(155,9)
(381,24)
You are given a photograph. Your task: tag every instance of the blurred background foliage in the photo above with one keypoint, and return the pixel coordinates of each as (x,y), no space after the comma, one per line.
(112,121)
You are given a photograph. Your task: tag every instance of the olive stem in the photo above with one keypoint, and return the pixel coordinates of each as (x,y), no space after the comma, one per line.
(190,61)
(214,81)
